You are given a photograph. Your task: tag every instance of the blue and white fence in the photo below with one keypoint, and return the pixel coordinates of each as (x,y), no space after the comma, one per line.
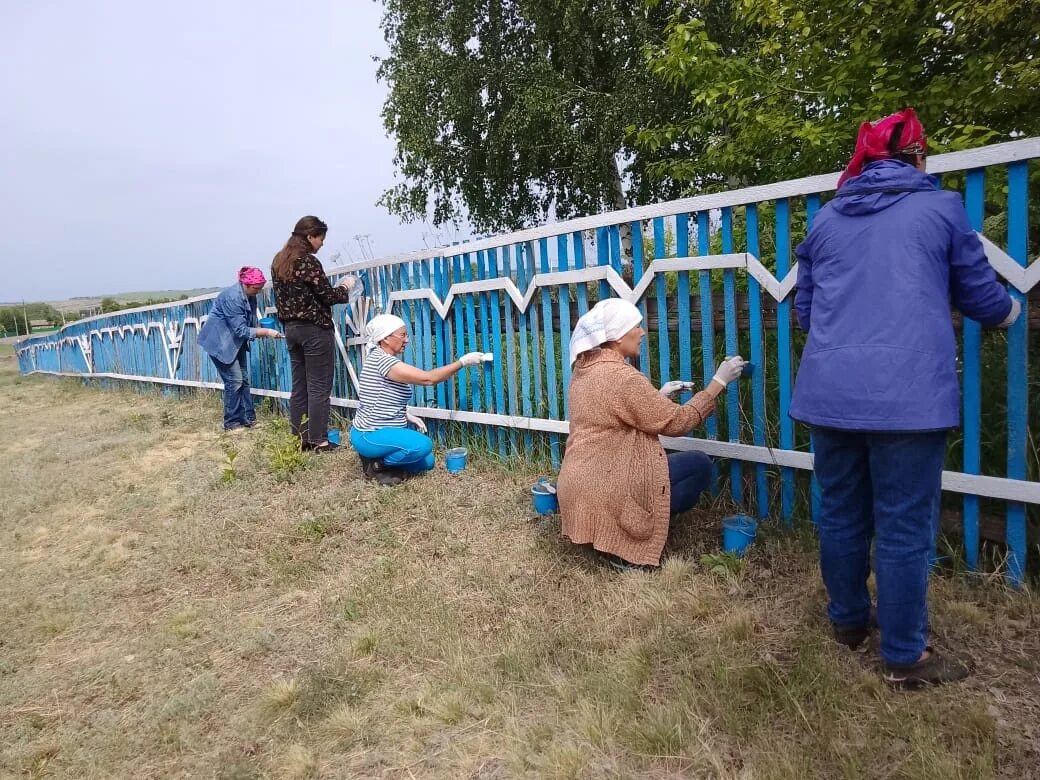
(713,275)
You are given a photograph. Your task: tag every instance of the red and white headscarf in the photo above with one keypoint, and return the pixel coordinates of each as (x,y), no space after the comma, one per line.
(874,141)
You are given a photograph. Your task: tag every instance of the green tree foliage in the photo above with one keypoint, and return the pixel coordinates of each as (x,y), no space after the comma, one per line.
(109,305)
(775,89)
(12,318)
(508,111)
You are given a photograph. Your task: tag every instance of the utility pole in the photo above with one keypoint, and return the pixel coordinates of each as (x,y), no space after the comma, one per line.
(364,241)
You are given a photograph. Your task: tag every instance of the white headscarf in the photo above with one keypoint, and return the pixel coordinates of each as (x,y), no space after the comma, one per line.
(381,326)
(608,320)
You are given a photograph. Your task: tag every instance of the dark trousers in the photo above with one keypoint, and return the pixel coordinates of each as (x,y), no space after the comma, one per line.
(689,474)
(312,356)
(238,401)
(885,488)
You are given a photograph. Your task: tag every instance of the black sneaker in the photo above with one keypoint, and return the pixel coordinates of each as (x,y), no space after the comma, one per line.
(322,449)
(620,564)
(369,466)
(934,670)
(389,478)
(375,469)
(853,637)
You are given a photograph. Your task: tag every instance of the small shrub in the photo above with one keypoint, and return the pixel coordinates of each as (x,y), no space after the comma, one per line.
(349,610)
(283,450)
(313,529)
(723,564)
(229,474)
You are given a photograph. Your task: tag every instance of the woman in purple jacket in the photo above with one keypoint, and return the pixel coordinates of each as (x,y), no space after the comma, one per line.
(877,382)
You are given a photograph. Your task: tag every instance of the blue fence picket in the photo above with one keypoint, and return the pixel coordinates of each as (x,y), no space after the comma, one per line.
(682,291)
(497,369)
(602,259)
(1018,364)
(971,352)
(523,332)
(707,306)
(565,321)
(664,350)
(534,308)
(550,350)
(783,355)
(758,373)
(487,376)
(427,315)
(637,277)
(459,333)
(812,205)
(578,246)
(729,293)
(509,381)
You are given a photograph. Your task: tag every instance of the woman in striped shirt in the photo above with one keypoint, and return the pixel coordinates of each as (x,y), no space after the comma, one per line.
(391,451)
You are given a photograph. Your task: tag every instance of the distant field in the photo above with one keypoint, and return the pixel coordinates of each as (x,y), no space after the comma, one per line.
(89,302)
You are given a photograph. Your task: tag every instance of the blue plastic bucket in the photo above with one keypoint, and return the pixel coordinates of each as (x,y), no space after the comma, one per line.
(543,494)
(333,436)
(738,531)
(455,459)
(268,322)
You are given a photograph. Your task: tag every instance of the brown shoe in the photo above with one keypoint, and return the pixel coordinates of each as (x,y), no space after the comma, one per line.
(934,670)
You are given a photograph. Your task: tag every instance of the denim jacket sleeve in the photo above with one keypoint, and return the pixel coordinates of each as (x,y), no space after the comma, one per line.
(240,317)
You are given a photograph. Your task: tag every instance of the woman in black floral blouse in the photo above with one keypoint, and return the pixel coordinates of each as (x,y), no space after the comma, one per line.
(304,299)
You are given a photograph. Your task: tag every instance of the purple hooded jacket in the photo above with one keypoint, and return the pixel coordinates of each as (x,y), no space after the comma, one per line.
(876,277)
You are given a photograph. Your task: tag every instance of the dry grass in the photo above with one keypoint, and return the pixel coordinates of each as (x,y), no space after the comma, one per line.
(158,622)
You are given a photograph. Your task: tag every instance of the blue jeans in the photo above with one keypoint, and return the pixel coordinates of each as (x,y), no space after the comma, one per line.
(399,448)
(689,474)
(883,487)
(238,401)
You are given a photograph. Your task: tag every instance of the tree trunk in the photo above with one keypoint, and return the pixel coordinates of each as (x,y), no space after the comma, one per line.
(617,196)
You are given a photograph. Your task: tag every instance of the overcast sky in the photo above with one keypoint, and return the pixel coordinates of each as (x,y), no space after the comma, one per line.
(148,146)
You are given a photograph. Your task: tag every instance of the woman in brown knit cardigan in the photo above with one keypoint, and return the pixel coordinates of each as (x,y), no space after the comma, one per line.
(617,489)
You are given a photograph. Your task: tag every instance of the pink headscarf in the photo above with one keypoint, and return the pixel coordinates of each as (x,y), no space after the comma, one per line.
(874,141)
(249,275)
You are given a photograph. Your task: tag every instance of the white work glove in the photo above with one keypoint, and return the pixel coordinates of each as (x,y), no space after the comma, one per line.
(353,284)
(1016,309)
(674,388)
(474,358)
(729,370)
(417,422)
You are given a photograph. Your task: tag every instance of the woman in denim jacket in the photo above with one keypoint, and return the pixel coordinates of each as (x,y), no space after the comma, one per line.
(225,337)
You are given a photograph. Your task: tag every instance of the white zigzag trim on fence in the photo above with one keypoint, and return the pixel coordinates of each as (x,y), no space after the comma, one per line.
(172,332)
(1024,279)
